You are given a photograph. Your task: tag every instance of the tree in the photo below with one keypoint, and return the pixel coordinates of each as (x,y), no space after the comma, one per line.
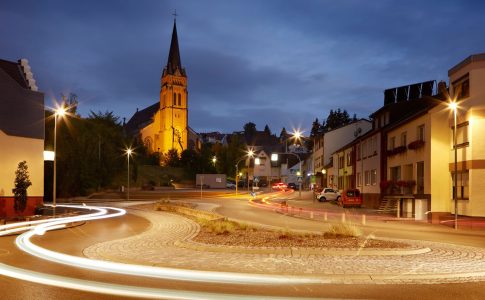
(317,128)
(22,183)
(171,158)
(336,119)
(249,131)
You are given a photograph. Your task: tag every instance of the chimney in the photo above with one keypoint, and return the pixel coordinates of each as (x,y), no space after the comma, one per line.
(442,89)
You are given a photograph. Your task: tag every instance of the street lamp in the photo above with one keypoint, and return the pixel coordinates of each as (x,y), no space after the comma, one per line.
(453,106)
(249,154)
(61,112)
(128,153)
(214,159)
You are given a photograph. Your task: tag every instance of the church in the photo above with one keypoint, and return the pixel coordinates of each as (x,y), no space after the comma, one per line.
(164,125)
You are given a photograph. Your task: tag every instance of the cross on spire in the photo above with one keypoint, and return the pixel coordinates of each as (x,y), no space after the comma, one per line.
(174,15)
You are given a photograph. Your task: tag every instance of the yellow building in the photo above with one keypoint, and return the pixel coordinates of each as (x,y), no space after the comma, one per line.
(164,125)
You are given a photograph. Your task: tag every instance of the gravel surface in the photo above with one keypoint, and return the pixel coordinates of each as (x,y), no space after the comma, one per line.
(266,238)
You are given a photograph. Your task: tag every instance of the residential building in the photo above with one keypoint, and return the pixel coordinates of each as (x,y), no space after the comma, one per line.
(467,87)
(327,143)
(21,134)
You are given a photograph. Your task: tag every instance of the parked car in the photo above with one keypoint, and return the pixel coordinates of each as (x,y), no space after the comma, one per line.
(230,184)
(279,186)
(292,185)
(351,197)
(328,194)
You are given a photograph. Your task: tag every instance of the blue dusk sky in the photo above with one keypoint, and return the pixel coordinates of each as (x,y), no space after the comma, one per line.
(281,63)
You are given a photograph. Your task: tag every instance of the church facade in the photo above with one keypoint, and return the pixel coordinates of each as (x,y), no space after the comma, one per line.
(164,125)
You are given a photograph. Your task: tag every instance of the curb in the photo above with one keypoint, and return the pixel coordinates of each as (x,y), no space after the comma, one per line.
(296,252)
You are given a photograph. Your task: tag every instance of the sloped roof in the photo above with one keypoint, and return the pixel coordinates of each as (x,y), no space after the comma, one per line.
(13,70)
(21,108)
(174,62)
(141,118)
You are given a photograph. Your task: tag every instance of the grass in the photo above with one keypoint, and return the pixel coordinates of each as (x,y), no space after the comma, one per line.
(343,230)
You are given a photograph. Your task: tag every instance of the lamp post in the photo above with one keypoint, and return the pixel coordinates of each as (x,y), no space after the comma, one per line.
(249,154)
(453,106)
(214,160)
(60,111)
(128,152)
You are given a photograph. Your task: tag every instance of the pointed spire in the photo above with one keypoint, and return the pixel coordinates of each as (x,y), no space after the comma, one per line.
(174,61)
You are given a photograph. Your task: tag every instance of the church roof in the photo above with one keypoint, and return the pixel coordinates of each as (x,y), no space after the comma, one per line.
(174,62)
(141,118)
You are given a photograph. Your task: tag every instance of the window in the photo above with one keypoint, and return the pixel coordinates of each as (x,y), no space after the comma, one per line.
(367,178)
(357,148)
(359,179)
(180,100)
(395,173)
(404,139)
(461,88)
(174,99)
(364,152)
(462,184)
(420,177)
(420,133)
(341,162)
(392,143)
(373,177)
(461,135)
(349,158)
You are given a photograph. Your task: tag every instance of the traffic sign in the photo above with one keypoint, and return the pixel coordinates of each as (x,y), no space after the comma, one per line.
(256,179)
(300,179)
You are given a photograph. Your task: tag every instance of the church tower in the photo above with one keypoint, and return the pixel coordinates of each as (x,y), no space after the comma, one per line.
(173,130)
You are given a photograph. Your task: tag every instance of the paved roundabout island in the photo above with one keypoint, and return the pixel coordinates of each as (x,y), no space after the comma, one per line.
(168,243)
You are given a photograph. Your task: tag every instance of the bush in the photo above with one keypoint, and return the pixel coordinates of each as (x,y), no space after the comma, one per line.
(343,230)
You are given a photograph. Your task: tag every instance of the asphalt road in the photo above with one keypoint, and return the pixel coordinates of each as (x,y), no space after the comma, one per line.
(74,240)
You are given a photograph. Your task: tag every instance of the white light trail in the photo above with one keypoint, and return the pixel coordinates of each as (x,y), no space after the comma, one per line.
(24,243)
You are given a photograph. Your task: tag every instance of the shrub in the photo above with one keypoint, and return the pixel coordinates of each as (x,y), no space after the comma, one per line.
(343,230)
(22,183)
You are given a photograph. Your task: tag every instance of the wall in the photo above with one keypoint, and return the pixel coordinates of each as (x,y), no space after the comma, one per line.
(12,151)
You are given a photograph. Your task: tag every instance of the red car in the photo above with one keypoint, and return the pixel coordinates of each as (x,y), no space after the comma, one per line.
(279,186)
(351,197)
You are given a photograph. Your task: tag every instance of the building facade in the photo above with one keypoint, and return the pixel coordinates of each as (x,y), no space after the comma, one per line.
(21,134)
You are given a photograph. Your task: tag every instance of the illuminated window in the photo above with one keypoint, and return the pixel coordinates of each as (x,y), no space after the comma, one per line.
(404,139)
(373,177)
(462,184)
(461,135)
(367,178)
(420,133)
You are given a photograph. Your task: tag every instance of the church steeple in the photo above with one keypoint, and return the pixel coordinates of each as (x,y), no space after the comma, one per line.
(174,61)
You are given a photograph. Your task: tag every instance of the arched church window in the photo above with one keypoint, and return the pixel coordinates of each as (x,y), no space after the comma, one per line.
(148,144)
(174,99)
(180,100)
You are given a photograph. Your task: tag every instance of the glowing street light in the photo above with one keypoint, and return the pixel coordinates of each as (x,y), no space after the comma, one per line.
(128,153)
(61,112)
(454,106)
(214,160)
(249,154)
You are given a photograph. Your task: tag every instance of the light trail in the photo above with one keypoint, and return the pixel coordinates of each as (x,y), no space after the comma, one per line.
(41,227)
(121,290)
